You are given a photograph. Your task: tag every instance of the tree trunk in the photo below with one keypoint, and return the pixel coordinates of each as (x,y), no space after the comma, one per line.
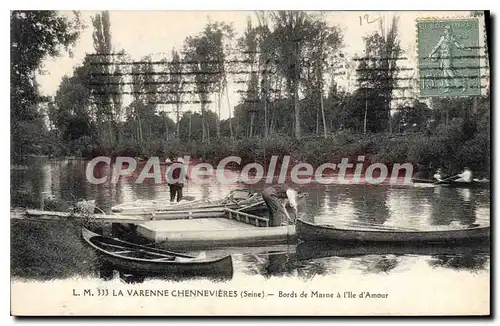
(252,117)
(166,128)
(296,91)
(203,131)
(264,76)
(366,111)
(230,109)
(297,112)
(110,133)
(474,106)
(325,133)
(139,126)
(178,106)
(189,130)
(207,129)
(218,96)
(389,116)
(317,121)
(266,131)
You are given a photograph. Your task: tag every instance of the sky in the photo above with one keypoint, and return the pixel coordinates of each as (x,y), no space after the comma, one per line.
(156,33)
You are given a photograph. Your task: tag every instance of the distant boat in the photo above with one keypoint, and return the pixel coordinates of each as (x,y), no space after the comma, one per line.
(378,233)
(454,184)
(136,259)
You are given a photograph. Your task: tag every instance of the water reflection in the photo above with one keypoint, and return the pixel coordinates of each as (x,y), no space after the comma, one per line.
(281,265)
(470,262)
(371,264)
(378,204)
(453,205)
(107,272)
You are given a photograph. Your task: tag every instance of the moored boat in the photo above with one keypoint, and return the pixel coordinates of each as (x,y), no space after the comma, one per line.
(247,200)
(136,259)
(307,231)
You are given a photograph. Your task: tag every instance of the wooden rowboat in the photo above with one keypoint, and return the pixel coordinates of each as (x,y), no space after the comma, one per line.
(136,259)
(312,232)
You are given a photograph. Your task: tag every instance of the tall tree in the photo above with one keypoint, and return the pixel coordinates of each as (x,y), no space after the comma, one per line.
(377,75)
(321,45)
(136,107)
(176,85)
(217,34)
(35,35)
(102,63)
(116,91)
(205,55)
(202,70)
(145,97)
(248,44)
(289,29)
(72,103)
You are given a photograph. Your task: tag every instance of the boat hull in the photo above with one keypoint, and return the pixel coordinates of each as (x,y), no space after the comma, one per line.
(219,267)
(310,232)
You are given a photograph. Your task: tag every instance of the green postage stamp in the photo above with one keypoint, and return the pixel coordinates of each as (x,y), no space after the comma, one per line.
(449,57)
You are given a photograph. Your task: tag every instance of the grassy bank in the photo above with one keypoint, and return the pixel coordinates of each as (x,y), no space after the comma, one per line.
(49,250)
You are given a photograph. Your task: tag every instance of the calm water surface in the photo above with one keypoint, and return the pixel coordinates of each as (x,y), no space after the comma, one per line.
(407,206)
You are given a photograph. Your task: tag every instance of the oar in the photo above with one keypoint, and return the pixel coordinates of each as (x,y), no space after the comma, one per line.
(250,206)
(137,249)
(441,181)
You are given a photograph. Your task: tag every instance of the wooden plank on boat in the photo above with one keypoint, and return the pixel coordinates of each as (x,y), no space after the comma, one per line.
(247,218)
(35,214)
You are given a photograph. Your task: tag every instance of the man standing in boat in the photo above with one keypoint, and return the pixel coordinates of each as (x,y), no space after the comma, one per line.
(276,198)
(176,174)
(439,175)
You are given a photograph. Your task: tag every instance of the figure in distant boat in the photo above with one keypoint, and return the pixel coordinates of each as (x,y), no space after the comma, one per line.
(439,175)
(175,179)
(276,198)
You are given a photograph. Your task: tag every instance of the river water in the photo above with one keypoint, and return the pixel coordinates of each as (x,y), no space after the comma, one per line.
(43,250)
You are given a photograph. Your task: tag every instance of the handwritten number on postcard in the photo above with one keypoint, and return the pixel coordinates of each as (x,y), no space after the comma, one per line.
(367,20)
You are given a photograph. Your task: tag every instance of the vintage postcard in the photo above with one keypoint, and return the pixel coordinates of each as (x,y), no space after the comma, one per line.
(186,163)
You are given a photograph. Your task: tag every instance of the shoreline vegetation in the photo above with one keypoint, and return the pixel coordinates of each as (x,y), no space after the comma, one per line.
(450,150)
